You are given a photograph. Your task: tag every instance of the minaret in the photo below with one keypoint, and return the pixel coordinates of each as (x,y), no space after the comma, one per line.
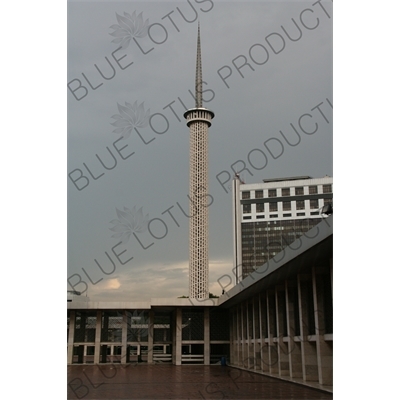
(198,120)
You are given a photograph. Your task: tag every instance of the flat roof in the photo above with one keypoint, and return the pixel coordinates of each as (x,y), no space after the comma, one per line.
(161,303)
(290,178)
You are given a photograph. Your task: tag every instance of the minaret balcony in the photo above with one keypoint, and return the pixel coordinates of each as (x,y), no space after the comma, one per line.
(198,114)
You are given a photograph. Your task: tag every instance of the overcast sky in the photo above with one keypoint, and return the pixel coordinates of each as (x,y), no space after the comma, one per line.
(261,85)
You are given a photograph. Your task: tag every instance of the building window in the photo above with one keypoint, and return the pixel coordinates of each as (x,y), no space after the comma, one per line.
(246,217)
(314,213)
(260,216)
(271,192)
(246,208)
(312,189)
(301,214)
(287,215)
(259,207)
(273,216)
(314,203)
(286,192)
(245,195)
(273,206)
(259,194)
(300,205)
(327,201)
(327,189)
(287,205)
(299,190)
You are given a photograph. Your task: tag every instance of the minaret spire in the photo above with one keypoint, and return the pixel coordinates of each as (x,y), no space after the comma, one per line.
(198,120)
(199,80)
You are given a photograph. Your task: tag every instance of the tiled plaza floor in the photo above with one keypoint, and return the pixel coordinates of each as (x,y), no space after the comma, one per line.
(179,382)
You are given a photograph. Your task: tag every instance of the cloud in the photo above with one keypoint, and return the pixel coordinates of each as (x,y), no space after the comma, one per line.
(113,284)
(152,280)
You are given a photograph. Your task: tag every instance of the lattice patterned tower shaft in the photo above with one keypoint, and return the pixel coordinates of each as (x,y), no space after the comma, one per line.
(198,120)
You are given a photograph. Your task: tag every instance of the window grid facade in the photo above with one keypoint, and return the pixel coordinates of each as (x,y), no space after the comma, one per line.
(299,191)
(284,218)
(313,189)
(314,203)
(262,240)
(273,206)
(276,200)
(326,188)
(300,205)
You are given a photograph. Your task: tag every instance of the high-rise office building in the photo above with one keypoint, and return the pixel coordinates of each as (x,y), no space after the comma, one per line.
(198,120)
(271,215)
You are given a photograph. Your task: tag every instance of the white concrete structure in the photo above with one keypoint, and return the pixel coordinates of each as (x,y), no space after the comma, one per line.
(278,321)
(237,228)
(73,295)
(198,120)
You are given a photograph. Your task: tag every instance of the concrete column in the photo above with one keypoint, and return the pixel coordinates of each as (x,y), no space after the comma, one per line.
(248,356)
(324,349)
(263,333)
(178,336)
(260,318)
(331,268)
(232,334)
(243,330)
(272,347)
(71,332)
(256,332)
(207,348)
(283,353)
(173,336)
(236,342)
(97,338)
(308,348)
(124,347)
(150,337)
(81,335)
(295,365)
(104,348)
